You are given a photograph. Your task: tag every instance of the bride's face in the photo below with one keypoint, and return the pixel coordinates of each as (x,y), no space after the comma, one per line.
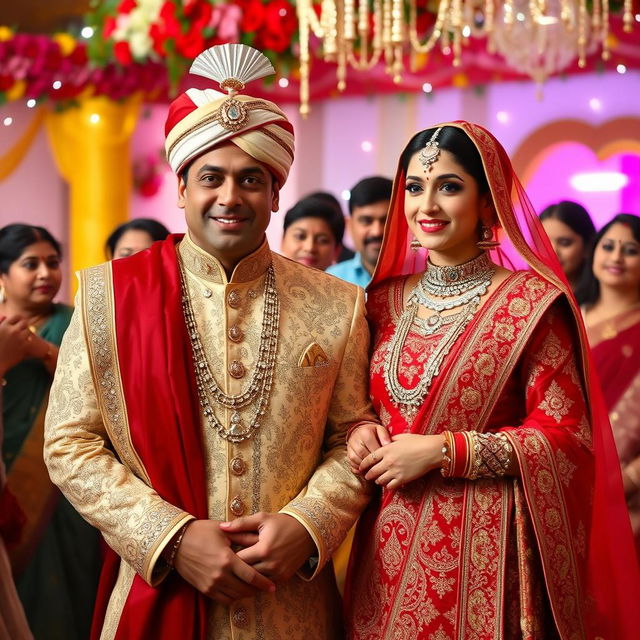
(444,209)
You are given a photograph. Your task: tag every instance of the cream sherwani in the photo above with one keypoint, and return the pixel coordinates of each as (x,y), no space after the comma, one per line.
(295,463)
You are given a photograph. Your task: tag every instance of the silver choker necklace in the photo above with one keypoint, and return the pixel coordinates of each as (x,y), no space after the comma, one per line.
(454,280)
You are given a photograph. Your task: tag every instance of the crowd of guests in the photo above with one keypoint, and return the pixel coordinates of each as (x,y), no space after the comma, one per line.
(54,555)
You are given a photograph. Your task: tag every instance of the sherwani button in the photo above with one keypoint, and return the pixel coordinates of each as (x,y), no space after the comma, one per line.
(240,617)
(236,369)
(237,506)
(235,333)
(238,467)
(234,298)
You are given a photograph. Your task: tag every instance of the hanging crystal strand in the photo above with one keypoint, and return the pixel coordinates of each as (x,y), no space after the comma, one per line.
(605,30)
(582,33)
(489,17)
(508,13)
(303,9)
(456,24)
(397,38)
(329,21)
(414,38)
(386,34)
(596,19)
(628,16)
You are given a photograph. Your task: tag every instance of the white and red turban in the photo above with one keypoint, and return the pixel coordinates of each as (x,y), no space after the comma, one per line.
(200,120)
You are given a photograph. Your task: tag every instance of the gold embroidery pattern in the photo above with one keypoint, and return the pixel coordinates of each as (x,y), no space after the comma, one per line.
(556,403)
(147,525)
(554,535)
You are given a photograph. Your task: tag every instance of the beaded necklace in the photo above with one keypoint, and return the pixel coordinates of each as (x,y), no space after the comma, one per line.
(259,386)
(471,282)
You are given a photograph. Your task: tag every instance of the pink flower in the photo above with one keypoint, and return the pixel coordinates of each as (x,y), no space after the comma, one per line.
(226,21)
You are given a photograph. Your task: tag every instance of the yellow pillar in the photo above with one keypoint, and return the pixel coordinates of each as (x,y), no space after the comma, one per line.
(90,145)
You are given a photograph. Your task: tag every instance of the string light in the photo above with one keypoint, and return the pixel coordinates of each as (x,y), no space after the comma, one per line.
(8,121)
(346,195)
(31,103)
(57,84)
(94,118)
(427,88)
(595,104)
(366,146)
(283,83)
(621,68)
(87,32)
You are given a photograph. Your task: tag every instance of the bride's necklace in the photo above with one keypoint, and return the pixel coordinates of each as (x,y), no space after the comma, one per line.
(472,280)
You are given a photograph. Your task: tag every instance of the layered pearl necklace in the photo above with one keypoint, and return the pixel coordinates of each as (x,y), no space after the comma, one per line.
(259,387)
(467,283)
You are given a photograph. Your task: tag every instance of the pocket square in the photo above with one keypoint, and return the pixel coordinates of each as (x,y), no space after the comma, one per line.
(313,356)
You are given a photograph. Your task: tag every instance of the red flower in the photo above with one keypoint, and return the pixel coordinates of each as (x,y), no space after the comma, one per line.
(252,15)
(122,52)
(109,27)
(191,43)
(79,55)
(156,34)
(6,82)
(280,16)
(276,41)
(126,6)
(170,25)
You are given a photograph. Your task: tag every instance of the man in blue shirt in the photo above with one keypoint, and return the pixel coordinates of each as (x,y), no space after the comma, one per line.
(368,205)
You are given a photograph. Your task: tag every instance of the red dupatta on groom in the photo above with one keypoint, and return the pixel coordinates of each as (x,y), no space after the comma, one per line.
(158,385)
(589,573)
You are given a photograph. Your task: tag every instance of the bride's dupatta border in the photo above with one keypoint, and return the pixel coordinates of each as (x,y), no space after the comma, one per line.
(466,395)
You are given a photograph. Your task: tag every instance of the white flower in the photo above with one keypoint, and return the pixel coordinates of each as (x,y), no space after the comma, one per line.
(140,44)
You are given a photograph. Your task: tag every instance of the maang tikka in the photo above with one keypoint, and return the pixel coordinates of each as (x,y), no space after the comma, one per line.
(429,155)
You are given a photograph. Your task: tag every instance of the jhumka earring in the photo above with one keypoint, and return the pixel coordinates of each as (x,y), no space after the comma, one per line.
(415,244)
(3,296)
(486,241)
(431,151)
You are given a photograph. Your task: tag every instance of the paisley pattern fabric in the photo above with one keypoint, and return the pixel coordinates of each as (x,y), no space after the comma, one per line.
(453,559)
(103,454)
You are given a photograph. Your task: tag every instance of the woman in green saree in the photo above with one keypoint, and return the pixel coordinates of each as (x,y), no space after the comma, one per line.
(54,556)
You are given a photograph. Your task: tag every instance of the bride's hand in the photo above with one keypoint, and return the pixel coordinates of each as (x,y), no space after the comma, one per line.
(363,441)
(406,458)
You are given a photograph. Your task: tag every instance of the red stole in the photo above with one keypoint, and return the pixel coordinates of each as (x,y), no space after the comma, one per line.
(158,383)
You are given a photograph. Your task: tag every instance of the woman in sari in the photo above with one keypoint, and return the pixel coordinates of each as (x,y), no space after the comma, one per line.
(612,315)
(570,230)
(488,525)
(54,557)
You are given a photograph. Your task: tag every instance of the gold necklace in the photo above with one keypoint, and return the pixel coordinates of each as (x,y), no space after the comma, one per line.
(259,386)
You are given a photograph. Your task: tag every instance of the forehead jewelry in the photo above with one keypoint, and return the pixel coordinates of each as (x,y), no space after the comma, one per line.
(431,151)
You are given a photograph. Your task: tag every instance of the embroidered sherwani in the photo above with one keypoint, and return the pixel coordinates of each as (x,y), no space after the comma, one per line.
(295,463)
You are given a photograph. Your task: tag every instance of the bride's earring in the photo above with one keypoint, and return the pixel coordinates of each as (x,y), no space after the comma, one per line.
(415,244)
(486,241)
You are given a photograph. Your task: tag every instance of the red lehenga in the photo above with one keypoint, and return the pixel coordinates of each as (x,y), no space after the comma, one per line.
(545,555)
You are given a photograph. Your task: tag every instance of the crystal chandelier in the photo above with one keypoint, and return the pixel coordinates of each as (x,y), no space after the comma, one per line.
(536,37)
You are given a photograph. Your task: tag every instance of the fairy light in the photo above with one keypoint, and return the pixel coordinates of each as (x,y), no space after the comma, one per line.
(346,195)
(366,146)
(283,83)
(57,84)
(87,32)
(8,121)
(595,104)
(502,117)
(31,103)
(621,69)
(427,87)
(94,118)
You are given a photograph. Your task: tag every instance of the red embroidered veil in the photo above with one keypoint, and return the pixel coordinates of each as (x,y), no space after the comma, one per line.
(613,579)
